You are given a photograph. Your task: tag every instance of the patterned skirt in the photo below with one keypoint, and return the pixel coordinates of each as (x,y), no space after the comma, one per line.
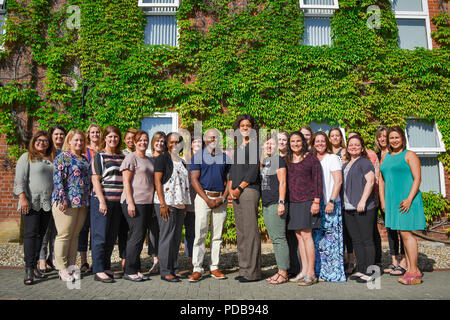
(329,245)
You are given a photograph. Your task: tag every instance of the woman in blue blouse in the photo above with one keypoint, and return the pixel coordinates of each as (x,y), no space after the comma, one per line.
(70,201)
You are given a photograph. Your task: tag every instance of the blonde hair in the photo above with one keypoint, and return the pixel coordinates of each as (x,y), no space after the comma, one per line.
(88,131)
(69,136)
(378,135)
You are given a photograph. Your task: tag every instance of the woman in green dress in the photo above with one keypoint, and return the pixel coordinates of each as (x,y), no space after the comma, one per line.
(401,198)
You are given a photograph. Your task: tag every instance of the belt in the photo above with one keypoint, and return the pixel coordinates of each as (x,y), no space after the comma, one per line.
(213,193)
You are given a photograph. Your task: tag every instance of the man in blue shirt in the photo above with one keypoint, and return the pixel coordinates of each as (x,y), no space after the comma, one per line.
(209,177)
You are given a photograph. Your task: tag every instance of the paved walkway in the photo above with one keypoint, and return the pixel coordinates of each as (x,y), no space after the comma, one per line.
(435,286)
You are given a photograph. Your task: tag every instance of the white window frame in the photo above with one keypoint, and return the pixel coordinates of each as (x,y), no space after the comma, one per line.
(427,150)
(176,5)
(332,127)
(334,6)
(417,15)
(173,115)
(431,152)
(3,12)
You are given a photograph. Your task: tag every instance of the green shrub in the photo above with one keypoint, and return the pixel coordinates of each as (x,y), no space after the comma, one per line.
(435,205)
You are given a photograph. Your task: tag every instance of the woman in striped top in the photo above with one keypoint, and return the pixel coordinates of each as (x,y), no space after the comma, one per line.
(105,203)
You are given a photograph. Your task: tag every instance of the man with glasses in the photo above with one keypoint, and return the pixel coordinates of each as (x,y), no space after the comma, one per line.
(209,176)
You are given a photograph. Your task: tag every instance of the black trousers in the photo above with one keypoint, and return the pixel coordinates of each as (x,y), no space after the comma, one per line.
(123,236)
(35,225)
(360,228)
(138,227)
(377,239)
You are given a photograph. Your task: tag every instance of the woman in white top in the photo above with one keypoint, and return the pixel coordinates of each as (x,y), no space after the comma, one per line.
(172,196)
(328,240)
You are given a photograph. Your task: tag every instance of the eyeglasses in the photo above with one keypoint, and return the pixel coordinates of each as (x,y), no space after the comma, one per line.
(42,141)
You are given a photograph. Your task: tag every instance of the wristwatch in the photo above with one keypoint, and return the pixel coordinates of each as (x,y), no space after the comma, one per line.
(332,200)
(280,201)
(240,189)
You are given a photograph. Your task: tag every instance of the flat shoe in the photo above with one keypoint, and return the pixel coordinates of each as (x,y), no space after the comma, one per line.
(127,277)
(108,280)
(85,267)
(174,279)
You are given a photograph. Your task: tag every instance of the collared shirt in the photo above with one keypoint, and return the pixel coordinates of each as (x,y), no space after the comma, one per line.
(213,169)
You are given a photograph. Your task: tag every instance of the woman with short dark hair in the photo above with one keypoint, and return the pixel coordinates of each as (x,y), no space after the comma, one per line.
(244,190)
(401,198)
(171,198)
(33,184)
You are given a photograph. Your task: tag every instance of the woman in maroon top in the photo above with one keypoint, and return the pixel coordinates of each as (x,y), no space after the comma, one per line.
(305,190)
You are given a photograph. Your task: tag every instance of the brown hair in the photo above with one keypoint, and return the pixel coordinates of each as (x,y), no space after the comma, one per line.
(131,130)
(401,132)
(342,144)
(329,148)
(33,154)
(69,137)
(107,131)
(290,153)
(156,136)
(347,156)
(378,135)
(139,134)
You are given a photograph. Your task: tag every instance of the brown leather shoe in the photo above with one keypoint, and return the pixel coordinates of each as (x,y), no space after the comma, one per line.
(217,274)
(195,277)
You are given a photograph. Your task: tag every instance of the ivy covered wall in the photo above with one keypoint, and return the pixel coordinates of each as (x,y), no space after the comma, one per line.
(233,57)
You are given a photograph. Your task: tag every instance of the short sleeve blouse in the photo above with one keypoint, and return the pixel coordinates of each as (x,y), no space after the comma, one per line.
(142,183)
(330,163)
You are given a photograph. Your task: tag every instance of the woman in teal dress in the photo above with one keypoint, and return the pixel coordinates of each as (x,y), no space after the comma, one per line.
(401,198)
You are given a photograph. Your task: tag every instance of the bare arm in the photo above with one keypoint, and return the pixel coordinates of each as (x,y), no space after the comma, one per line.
(337,179)
(164,210)
(281,175)
(414,163)
(99,193)
(381,190)
(195,175)
(127,188)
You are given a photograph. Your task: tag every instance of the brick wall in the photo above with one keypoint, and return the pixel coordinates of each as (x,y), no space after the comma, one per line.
(434,9)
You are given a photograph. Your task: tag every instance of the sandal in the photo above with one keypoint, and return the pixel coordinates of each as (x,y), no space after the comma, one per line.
(297,278)
(307,281)
(85,267)
(411,278)
(390,268)
(398,268)
(277,279)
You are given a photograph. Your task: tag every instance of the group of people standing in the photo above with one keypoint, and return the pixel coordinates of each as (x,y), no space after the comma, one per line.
(317,195)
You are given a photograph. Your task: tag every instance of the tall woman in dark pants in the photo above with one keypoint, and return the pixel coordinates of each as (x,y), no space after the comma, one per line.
(137,203)
(172,196)
(359,206)
(33,184)
(106,212)
(57,134)
(244,189)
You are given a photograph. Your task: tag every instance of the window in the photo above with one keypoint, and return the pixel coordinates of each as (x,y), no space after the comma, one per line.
(161,28)
(424,138)
(413,23)
(2,19)
(318,14)
(165,122)
(325,127)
